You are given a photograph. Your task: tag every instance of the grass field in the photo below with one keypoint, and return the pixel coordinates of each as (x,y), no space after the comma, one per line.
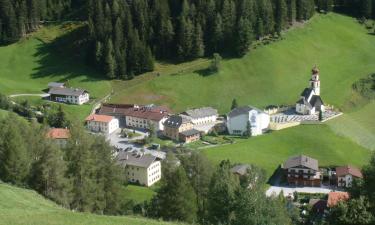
(3,113)
(137,193)
(269,151)
(272,74)
(20,206)
(358,125)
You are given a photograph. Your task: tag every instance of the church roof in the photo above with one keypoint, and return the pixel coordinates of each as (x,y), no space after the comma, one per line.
(306,93)
(303,101)
(316,100)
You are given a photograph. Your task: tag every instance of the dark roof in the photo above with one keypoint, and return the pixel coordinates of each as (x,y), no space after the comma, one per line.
(301,161)
(55,84)
(306,93)
(66,91)
(191,132)
(240,169)
(154,113)
(176,121)
(346,170)
(201,112)
(304,102)
(135,159)
(114,108)
(242,110)
(316,100)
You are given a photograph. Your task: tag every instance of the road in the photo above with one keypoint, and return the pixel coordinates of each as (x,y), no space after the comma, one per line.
(28,95)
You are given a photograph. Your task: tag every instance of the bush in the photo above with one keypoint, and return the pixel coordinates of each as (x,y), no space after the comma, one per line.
(366,87)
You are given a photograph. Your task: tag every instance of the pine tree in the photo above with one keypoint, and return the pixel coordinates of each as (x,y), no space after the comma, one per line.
(176,198)
(291,11)
(198,45)
(281,15)
(234,104)
(48,175)
(249,132)
(244,36)
(110,63)
(366,8)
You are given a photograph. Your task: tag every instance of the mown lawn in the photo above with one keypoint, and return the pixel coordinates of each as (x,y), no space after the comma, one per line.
(20,206)
(138,194)
(274,73)
(269,151)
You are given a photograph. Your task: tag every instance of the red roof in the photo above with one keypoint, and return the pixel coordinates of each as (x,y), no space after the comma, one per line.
(100,118)
(58,133)
(155,113)
(335,197)
(346,170)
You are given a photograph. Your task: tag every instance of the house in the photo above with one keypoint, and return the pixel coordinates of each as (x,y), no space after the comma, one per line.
(69,95)
(102,123)
(59,135)
(200,116)
(346,174)
(310,101)
(302,171)
(140,168)
(180,128)
(145,116)
(115,110)
(335,197)
(56,85)
(239,118)
(318,205)
(240,170)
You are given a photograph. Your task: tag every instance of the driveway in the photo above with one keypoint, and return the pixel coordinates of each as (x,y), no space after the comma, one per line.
(27,95)
(117,141)
(275,190)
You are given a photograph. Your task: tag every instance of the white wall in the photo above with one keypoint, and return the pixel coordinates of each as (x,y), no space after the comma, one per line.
(103,127)
(238,125)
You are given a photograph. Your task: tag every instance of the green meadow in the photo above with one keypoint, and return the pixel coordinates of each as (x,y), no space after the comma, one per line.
(21,206)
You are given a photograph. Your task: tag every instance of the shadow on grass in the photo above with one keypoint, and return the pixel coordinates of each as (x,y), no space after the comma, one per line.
(277,177)
(65,56)
(205,72)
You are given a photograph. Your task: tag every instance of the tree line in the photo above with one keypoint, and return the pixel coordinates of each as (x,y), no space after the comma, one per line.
(83,176)
(127,35)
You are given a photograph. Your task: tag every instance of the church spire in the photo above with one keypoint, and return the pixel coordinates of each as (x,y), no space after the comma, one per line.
(314,81)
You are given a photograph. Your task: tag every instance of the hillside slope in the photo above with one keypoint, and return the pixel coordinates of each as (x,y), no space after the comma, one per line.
(21,206)
(274,73)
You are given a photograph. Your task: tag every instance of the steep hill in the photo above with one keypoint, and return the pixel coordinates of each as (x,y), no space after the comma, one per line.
(21,206)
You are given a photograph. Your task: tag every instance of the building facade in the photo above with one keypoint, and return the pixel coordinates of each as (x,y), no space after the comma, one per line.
(144,117)
(303,171)
(346,174)
(201,116)
(116,110)
(310,101)
(239,118)
(69,95)
(180,128)
(139,168)
(102,124)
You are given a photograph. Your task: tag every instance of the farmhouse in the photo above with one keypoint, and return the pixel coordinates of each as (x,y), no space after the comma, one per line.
(200,116)
(346,174)
(145,116)
(180,128)
(102,123)
(56,85)
(115,110)
(69,95)
(143,169)
(310,101)
(239,118)
(302,171)
(59,135)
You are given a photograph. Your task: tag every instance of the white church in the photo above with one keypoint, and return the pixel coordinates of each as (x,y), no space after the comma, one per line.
(310,101)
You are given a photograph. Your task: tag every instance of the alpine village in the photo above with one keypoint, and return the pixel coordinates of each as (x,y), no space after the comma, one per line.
(187,112)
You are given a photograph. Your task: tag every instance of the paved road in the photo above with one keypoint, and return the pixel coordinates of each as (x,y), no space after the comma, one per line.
(275,190)
(22,95)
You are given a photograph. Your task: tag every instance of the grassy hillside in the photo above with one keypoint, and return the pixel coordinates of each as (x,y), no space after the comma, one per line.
(21,206)
(275,73)
(3,113)
(29,65)
(269,151)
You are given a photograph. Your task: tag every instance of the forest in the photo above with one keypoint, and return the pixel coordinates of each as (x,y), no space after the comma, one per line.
(125,37)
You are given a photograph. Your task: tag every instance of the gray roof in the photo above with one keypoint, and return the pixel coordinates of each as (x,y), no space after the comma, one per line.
(301,161)
(201,112)
(242,110)
(56,84)
(66,91)
(135,159)
(303,101)
(316,101)
(306,92)
(190,132)
(240,169)
(176,121)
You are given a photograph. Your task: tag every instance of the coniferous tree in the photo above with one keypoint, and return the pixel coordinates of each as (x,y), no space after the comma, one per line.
(234,104)
(291,11)
(110,63)
(198,45)
(281,15)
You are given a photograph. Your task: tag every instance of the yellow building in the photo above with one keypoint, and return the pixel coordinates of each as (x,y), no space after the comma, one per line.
(142,169)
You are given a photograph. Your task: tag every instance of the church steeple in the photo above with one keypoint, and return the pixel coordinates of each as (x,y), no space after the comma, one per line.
(314,81)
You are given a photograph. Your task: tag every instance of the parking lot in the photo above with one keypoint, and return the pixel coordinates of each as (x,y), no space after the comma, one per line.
(119,142)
